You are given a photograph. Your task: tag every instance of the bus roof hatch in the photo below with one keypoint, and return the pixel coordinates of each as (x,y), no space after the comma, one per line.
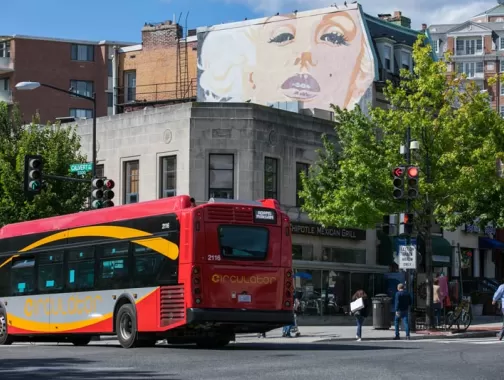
(234,201)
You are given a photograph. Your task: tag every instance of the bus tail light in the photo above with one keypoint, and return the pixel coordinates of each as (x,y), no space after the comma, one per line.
(288,288)
(196,279)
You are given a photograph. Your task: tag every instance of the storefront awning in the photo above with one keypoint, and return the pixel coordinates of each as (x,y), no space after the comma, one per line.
(487,243)
(442,252)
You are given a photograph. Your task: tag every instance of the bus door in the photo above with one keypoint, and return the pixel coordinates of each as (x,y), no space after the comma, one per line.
(243,248)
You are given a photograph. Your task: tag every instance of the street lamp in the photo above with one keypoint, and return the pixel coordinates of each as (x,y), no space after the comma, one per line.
(27,86)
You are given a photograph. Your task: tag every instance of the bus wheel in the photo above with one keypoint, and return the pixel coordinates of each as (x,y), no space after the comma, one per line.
(126,326)
(209,343)
(5,339)
(82,341)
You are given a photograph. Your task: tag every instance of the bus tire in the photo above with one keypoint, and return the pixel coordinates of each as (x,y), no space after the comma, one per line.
(5,339)
(126,326)
(81,341)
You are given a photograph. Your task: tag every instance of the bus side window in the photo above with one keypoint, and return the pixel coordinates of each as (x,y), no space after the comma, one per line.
(23,276)
(148,263)
(81,269)
(114,265)
(50,271)
(4,277)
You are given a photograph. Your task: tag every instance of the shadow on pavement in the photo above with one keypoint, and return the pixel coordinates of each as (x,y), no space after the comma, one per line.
(295,347)
(70,368)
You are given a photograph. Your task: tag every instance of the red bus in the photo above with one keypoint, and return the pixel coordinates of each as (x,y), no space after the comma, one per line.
(164,269)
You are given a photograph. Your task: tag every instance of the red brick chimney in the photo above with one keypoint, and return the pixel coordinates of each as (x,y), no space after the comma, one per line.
(160,34)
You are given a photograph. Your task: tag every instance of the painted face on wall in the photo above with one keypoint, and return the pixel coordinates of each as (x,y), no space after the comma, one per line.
(312,59)
(317,58)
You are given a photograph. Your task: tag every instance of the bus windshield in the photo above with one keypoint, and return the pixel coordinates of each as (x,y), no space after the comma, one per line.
(244,242)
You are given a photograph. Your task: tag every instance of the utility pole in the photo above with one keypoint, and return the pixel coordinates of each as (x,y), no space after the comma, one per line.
(409,274)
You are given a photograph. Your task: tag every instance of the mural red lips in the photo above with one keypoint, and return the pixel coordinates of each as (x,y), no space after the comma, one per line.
(301,86)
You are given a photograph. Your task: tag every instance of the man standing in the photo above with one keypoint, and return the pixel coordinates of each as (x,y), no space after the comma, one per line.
(499,297)
(401,308)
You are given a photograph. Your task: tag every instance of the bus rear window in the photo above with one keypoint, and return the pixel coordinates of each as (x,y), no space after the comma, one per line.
(243,242)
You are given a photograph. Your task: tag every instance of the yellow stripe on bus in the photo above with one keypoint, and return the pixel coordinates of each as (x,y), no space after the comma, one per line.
(45,327)
(163,246)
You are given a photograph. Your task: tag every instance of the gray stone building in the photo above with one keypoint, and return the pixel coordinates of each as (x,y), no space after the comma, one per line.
(240,151)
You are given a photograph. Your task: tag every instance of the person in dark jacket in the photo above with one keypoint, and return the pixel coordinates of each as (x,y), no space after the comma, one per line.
(402,304)
(361,315)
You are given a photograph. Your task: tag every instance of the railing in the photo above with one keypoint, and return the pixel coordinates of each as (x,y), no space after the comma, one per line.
(151,93)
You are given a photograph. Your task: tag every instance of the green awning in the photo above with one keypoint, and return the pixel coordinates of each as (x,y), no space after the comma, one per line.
(441,252)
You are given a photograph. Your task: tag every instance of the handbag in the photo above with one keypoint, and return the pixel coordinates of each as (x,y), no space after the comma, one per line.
(357,305)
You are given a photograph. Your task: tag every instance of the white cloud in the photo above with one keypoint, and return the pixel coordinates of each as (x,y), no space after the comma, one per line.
(424,11)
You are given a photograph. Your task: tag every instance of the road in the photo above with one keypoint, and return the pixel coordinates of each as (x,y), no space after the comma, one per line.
(388,360)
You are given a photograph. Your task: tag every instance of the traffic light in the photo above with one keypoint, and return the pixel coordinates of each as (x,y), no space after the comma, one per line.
(33,174)
(413,172)
(406,224)
(97,193)
(398,174)
(108,194)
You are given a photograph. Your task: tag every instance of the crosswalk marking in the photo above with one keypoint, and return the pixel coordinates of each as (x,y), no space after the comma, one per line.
(468,341)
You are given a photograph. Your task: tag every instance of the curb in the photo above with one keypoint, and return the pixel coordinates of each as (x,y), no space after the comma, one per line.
(475,334)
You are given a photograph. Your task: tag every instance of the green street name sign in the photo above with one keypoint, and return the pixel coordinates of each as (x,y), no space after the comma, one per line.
(81,169)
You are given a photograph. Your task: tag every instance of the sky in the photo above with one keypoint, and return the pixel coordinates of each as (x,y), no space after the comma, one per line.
(122,20)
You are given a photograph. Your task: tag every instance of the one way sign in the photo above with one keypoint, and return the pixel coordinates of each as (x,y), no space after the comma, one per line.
(407,257)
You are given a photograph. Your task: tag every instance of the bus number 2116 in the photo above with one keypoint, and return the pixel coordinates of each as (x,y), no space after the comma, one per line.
(214,258)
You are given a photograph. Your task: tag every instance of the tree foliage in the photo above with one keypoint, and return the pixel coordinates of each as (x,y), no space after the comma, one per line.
(59,147)
(461,139)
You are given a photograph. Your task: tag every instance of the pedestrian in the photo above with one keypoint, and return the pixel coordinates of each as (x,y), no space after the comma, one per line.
(362,314)
(499,297)
(402,304)
(437,300)
(286,331)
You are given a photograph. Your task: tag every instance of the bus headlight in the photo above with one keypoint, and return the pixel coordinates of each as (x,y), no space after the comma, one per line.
(198,300)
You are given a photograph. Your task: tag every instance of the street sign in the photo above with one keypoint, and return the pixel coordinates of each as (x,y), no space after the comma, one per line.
(81,169)
(407,257)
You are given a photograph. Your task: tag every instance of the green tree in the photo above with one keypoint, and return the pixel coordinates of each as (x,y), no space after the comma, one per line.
(59,147)
(461,138)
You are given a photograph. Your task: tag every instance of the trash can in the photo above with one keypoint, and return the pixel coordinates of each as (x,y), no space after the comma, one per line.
(381,312)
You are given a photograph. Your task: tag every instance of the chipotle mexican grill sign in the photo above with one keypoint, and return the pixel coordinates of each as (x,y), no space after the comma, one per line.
(332,232)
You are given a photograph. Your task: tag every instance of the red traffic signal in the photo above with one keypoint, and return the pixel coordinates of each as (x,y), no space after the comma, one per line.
(413,172)
(109,184)
(398,171)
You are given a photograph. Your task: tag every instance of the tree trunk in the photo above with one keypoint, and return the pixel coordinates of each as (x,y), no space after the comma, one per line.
(428,272)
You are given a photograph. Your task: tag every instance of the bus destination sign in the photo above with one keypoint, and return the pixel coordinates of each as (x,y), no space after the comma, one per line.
(262,215)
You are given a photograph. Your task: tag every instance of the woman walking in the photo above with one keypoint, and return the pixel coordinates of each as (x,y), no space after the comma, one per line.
(361,315)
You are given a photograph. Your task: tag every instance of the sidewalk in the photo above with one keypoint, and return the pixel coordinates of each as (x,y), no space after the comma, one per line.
(311,334)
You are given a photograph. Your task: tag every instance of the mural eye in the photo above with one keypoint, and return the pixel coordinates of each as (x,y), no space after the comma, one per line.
(334,38)
(281,38)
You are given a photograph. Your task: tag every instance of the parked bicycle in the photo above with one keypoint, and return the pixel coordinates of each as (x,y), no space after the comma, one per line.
(461,316)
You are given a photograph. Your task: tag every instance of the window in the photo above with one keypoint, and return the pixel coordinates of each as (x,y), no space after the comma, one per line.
(80,113)
(23,276)
(168,176)
(131,182)
(470,68)
(4,84)
(148,265)
(501,68)
(81,269)
(4,278)
(100,170)
(113,265)
(109,67)
(502,111)
(302,252)
(243,242)
(469,46)
(82,52)
(271,178)
(130,84)
(5,49)
(300,168)
(344,255)
(438,45)
(479,67)
(50,272)
(110,99)
(405,60)
(82,87)
(387,52)
(221,176)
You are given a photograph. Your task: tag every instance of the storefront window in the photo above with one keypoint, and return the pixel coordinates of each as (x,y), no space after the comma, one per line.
(344,255)
(335,293)
(308,291)
(466,262)
(302,252)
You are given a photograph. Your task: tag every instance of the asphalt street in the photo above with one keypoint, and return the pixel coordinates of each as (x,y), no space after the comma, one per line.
(473,359)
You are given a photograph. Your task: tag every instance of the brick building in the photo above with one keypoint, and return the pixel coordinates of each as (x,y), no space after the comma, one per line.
(477,48)
(159,70)
(85,66)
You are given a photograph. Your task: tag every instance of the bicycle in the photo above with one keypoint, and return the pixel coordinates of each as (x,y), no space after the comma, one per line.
(462,315)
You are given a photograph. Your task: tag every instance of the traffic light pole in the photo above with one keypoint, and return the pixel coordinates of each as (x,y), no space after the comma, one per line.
(409,272)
